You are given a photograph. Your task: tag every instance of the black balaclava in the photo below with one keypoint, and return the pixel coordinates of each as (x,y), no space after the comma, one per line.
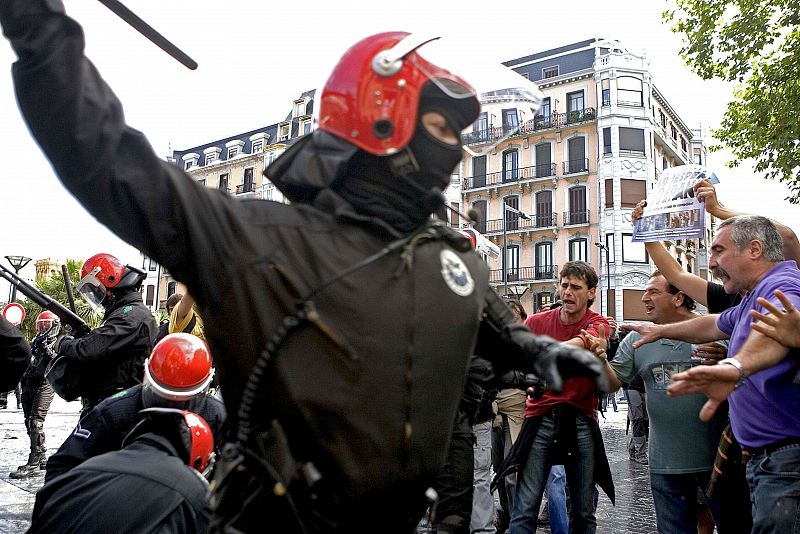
(405,188)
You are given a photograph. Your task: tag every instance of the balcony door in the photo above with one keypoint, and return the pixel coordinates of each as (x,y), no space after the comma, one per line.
(512,218)
(544,261)
(544,162)
(577,206)
(577,154)
(479,171)
(511,263)
(544,209)
(480,207)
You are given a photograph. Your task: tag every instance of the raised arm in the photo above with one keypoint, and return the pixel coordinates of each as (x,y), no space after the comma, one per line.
(706,193)
(691,284)
(698,330)
(110,168)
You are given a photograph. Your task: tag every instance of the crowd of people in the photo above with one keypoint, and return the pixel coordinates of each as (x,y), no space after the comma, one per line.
(352,401)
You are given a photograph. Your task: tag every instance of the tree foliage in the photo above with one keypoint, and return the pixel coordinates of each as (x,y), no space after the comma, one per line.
(755,43)
(54,288)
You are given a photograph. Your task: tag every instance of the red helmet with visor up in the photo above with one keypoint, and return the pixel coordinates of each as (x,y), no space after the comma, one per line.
(48,322)
(177,372)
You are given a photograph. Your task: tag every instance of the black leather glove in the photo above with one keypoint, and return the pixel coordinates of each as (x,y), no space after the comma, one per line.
(60,342)
(556,362)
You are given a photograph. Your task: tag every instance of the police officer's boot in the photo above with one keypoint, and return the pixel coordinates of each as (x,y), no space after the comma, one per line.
(31,468)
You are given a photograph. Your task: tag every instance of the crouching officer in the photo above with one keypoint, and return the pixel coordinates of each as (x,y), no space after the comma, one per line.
(155,483)
(111,357)
(177,375)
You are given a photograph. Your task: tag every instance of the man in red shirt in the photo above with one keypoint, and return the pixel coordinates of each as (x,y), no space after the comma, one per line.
(562,428)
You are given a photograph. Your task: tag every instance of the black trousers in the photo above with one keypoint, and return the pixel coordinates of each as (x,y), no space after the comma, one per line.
(454,483)
(37,394)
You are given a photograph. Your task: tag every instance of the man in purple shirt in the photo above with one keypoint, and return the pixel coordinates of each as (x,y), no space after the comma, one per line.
(757,378)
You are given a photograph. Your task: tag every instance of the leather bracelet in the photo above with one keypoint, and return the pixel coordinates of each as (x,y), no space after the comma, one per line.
(739,367)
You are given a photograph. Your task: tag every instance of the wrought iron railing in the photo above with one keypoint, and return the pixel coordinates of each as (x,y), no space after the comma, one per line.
(524,274)
(576,165)
(493,134)
(245,188)
(576,217)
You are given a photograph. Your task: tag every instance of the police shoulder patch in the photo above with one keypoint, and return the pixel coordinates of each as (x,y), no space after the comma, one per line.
(127,309)
(456,274)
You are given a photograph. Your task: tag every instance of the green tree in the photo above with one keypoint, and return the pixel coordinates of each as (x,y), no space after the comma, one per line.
(755,43)
(55,289)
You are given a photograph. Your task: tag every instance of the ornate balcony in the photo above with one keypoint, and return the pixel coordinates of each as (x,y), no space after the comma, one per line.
(524,274)
(493,134)
(510,176)
(574,166)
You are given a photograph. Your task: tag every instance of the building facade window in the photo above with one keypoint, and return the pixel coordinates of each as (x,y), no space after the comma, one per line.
(632,191)
(223,181)
(511,263)
(607,140)
(606,92)
(481,207)
(662,119)
(575,106)
(633,252)
(152,265)
(550,72)
(257,147)
(511,165)
(248,181)
(629,91)
(544,209)
(610,258)
(544,261)
(545,112)
(479,171)
(305,126)
(577,214)
(673,132)
(480,128)
(172,287)
(511,218)
(543,301)
(544,160)
(631,141)
(510,120)
(151,294)
(283,132)
(579,249)
(576,154)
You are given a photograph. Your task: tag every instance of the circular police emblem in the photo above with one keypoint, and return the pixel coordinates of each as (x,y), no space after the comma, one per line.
(455,273)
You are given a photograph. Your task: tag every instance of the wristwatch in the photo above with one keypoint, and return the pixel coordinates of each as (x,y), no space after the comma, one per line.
(739,367)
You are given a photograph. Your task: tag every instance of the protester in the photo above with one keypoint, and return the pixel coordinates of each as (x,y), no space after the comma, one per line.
(747,255)
(561,428)
(324,316)
(155,483)
(37,394)
(681,448)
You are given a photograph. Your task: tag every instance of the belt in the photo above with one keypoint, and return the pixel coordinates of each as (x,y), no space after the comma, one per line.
(748,453)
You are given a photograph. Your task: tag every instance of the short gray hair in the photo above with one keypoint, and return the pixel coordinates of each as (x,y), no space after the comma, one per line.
(747,228)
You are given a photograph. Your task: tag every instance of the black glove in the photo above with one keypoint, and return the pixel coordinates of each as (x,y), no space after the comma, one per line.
(63,339)
(556,361)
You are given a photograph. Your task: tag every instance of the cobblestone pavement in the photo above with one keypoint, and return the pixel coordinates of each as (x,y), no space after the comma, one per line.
(17,496)
(632,514)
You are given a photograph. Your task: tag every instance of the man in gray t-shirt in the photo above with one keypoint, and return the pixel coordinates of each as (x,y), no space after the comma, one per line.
(681,446)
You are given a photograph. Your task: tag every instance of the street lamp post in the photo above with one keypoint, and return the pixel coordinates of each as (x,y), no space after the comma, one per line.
(17,262)
(520,215)
(603,249)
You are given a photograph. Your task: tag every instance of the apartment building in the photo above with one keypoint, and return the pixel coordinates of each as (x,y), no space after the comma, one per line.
(563,188)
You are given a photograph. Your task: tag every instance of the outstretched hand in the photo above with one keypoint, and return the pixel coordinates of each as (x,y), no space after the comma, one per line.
(558,362)
(597,345)
(782,326)
(650,332)
(715,381)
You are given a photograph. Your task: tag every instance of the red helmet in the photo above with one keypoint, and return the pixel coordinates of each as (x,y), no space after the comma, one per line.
(103,272)
(201,451)
(189,432)
(372,96)
(45,321)
(177,371)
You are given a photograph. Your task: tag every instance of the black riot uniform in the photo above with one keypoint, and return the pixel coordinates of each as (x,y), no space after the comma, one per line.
(111,357)
(144,487)
(15,353)
(37,394)
(106,425)
(365,332)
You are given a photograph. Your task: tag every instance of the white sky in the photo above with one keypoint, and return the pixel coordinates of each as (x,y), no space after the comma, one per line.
(256,57)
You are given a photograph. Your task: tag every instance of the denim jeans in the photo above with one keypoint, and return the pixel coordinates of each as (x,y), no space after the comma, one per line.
(774,480)
(675,501)
(557,500)
(579,474)
(482,502)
